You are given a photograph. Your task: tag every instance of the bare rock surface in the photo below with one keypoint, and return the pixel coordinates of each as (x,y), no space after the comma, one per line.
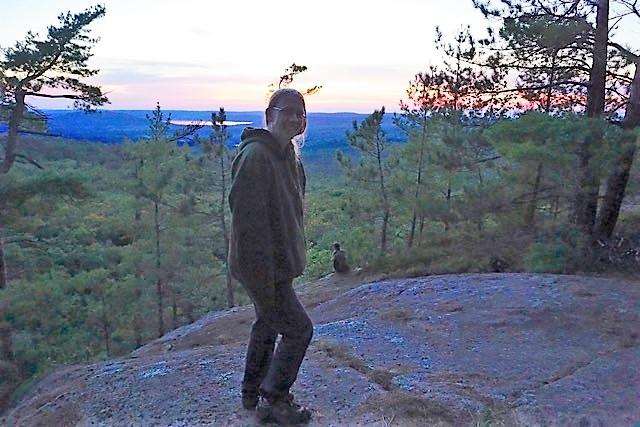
(498,349)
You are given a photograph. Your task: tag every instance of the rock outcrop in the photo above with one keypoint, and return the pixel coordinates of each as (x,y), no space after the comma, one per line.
(509,349)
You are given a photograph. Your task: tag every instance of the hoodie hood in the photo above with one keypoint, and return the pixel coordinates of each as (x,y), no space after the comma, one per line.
(250,135)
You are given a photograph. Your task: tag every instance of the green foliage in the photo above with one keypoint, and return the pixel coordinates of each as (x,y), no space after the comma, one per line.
(318,262)
(14,191)
(84,254)
(32,122)
(547,257)
(536,136)
(81,248)
(370,178)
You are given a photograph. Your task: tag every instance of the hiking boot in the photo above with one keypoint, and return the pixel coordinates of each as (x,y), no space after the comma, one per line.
(250,399)
(284,411)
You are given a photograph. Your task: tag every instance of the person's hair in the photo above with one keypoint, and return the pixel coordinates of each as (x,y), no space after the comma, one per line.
(285,92)
(336,245)
(298,141)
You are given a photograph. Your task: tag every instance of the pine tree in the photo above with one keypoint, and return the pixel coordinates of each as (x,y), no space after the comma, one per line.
(619,177)
(565,56)
(33,67)
(453,101)
(414,120)
(218,155)
(373,171)
(44,68)
(540,149)
(157,163)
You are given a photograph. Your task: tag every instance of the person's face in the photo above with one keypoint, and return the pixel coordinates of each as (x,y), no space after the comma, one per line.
(287,118)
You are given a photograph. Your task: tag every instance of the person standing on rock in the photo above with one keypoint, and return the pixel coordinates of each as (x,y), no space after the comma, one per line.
(267,251)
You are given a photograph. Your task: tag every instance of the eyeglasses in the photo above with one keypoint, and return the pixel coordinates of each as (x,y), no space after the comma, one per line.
(291,111)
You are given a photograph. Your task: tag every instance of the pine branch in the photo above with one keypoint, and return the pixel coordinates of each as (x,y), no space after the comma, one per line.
(44,69)
(550,85)
(28,161)
(626,52)
(633,6)
(46,95)
(37,111)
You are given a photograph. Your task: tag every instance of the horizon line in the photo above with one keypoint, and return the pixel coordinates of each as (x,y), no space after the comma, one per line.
(198,111)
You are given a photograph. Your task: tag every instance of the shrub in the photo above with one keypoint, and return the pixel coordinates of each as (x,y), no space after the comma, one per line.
(547,257)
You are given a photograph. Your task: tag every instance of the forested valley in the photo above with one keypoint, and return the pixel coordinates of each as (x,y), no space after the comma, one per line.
(518,156)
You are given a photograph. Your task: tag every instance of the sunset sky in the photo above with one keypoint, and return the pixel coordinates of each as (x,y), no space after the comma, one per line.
(201,55)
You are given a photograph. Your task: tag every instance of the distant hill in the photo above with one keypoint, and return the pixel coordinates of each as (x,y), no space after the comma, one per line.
(326,131)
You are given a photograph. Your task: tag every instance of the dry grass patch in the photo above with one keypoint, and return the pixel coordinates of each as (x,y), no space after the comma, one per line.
(382,377)
(401,408)
(449,307)
(400,315)
(406,409)
(496,417)
(336,354)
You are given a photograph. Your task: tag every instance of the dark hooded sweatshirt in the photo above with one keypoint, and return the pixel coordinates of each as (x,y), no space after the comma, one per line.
(266,198)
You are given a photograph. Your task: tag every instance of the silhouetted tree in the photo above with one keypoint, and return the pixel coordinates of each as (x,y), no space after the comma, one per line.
(217,152)
(564,56)
(49,68)
(370,141)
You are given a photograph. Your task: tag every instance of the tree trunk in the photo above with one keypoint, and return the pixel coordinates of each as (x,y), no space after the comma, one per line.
(421,230)
(412,230)
(3,266)
(160,308)
(174,309)
(223,225)
(530,214)
(12,137)
(385,200)
(448,197)
(556,208)
(6,342)
(138,325)
(107,339)
(138,321)
(106,328)
(586,203)
(619,177)
(230,293)
(552,78)
(418,187)
(383,235)
(598,72)
(480,224)
(188,309)
(159,286)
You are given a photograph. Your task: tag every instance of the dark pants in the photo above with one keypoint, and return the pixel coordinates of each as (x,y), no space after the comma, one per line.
(278,311)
